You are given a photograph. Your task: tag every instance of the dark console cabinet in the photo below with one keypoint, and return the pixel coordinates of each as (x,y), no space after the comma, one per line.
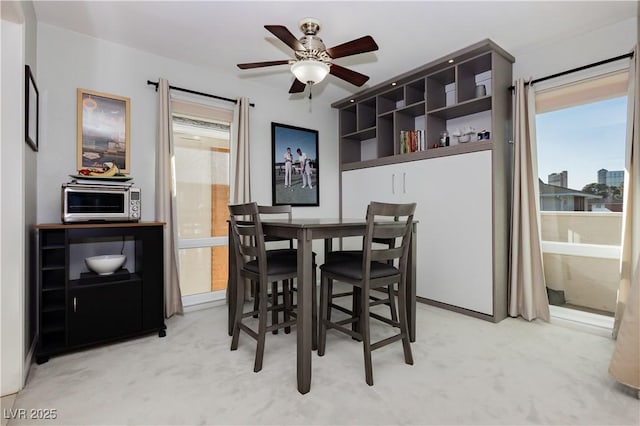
(78,309)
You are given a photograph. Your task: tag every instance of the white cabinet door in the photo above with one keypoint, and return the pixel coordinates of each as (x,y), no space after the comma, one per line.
(456,232)
(454,209)
(361,186)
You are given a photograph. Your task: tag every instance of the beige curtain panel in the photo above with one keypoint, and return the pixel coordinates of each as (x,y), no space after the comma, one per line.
(527,287)
(240,161)
(241,165)
(625,362)
(166,201)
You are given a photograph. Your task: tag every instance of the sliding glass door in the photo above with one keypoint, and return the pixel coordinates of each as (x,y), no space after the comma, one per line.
(581,131)
(202,141)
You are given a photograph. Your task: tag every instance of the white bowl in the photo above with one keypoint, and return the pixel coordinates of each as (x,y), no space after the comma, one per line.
(464,138)
(106,264)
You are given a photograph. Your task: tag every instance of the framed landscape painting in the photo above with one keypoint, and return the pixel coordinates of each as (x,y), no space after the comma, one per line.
(103,130)
(295,171)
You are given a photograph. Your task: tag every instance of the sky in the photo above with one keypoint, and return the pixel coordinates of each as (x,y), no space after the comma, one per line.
(582,140)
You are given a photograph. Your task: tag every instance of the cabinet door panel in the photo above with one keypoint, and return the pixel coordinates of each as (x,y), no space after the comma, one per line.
(100,312)
(360,187)
(456,232)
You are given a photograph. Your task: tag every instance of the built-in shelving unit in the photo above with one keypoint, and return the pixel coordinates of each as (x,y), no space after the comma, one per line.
(439,96)
(461,190)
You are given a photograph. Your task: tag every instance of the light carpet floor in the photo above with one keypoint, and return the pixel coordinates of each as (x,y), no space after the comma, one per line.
(466,371)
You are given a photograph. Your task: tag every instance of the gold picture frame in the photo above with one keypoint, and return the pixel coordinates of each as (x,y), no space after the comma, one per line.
(103,130)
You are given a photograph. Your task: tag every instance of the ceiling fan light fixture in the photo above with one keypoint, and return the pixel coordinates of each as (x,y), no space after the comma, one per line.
(310,71)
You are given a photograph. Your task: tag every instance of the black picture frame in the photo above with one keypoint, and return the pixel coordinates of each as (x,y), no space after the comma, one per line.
(285,136)
(31,109)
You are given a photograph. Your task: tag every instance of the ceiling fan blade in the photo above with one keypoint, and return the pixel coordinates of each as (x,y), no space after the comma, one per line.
(285,35)
(353,47)
(297,86)
(262,64)
(346,74)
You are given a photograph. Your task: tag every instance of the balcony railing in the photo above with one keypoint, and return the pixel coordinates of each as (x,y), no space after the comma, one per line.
(581,255)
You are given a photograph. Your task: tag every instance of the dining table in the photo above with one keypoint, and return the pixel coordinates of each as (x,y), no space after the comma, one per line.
(304,231)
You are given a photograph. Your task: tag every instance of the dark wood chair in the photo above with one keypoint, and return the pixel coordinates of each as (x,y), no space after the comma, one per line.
(374,300)
(254,264)
(372,271)
(285,212)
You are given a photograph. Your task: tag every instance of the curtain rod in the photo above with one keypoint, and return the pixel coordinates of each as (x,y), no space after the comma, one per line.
(584,67)
(181,89)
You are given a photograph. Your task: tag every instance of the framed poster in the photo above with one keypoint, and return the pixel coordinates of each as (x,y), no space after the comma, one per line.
(31,109)
(103,130)
(295,171)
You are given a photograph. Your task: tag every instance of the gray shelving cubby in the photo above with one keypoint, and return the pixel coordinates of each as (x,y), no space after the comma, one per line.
(418,100)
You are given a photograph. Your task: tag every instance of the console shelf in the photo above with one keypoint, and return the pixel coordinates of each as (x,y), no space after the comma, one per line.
(80,311)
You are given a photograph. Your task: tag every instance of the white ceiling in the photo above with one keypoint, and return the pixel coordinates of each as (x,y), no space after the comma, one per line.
(221,34)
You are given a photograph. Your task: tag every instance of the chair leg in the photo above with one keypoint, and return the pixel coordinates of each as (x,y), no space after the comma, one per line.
(325,308)
(255,292)
(274,302)
(356,308)
(262,326)
(366,337)
(330,285)
(314,311)
(402,311)
(392,303)
(286,296)
(239,311)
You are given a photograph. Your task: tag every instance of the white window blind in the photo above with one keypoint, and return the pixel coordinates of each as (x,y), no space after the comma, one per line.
(607,86)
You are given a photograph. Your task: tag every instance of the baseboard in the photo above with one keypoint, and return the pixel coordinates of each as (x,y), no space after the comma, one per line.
(458,309)
(204,305)
(583,321)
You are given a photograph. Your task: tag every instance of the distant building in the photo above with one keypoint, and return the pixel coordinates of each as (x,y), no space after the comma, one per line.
(559,179)
(558,198)
(611,177)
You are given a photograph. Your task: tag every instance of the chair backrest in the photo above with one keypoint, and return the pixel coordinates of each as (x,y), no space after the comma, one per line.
(387,222)
(280,212)
(248,237)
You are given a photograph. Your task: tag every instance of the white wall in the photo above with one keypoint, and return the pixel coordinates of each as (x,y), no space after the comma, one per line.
(18,167)
(69,60)
(561,55)
(11,214)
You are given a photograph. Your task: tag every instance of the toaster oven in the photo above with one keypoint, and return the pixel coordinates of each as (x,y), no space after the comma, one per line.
(100,203)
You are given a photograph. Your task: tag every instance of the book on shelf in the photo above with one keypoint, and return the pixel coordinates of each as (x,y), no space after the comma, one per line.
(412,141)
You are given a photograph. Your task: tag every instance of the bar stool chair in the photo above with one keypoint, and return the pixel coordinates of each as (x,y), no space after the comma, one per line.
(374,300)
(253,263)
(372,271)
(284,212)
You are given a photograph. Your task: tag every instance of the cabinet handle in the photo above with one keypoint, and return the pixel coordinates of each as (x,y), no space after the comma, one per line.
(393,183)
(404,182)
(75,304)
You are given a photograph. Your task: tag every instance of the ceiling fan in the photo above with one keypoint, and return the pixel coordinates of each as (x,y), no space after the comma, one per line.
(313,60)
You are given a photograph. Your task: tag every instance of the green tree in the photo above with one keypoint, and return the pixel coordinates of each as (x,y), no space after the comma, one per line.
(618,193)
(597,189)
